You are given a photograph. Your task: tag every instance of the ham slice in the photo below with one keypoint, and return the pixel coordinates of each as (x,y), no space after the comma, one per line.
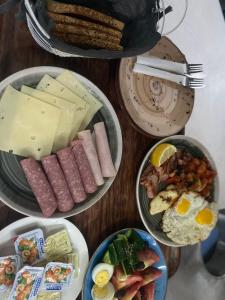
(104,154)
(92,156)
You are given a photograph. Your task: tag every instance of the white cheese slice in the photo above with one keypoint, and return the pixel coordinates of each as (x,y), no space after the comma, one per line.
(52,86)
(67,108)
(69,80)
(27,125)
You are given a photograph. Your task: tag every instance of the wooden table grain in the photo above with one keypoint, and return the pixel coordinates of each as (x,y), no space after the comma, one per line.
(117,209)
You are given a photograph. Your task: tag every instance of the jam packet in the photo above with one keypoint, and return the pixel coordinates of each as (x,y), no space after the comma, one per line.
(57,276)
(57,244)
(27,283)
(49,296)
(9,266)
(30,246)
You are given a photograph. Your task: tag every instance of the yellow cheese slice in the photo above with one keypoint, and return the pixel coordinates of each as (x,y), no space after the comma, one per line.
(67,108)
(27,125)
(69,80)
(52,86)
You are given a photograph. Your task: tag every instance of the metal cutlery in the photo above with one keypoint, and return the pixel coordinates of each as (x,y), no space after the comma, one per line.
(170,66)
(191,82)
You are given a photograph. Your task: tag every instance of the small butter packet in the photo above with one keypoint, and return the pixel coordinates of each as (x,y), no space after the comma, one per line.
(57,276)
(73,258)
(9,266)
(27,283)
(30,246)
(70,258)
(57,244)
(49,296)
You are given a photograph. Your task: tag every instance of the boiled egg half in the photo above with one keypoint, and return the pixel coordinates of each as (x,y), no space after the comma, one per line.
(106,292)
(102,273)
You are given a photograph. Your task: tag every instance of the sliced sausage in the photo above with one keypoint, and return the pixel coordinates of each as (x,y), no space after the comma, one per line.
(84,167)
(57,180)
(92,156)
(72,175)
(40,186)
(104,154)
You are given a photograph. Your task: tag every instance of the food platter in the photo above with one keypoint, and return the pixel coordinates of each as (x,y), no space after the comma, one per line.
(49,226)
(14,189)
(153,222)
(161,283)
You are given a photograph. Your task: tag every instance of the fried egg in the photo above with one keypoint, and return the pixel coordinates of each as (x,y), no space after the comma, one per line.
(190,220)
(102,273)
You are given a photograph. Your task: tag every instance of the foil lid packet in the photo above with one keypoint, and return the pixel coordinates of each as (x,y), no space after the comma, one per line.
(57,244)
(57,276)
(71,258)
(9,266)
(30,246)
(49,296)
(27,283)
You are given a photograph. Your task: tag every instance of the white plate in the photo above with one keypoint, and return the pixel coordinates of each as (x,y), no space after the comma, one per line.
(49,226)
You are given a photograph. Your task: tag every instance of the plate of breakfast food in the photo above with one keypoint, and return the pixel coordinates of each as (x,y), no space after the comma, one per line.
(177,191)
(61,142)
(43,259)
(129,264)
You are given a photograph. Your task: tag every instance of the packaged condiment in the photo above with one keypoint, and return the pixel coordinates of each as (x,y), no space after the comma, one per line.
(57,244)
(30,246)
(9,266)
(71,258)
(27,283)
(49,296)
(57,276)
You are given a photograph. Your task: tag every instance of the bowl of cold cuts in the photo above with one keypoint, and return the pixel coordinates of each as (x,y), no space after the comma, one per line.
(61,142)
(177,191)
(129,264)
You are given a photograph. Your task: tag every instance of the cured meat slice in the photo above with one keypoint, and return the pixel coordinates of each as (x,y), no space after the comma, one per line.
(40,186)
(84,167)
(57,180)
(104,155)
(92,156)
(72,175)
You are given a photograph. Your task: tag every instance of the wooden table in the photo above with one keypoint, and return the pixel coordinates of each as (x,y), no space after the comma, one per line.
(117,209)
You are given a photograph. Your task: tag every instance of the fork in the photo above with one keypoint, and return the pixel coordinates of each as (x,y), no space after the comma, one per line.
(191,82)
(170,66)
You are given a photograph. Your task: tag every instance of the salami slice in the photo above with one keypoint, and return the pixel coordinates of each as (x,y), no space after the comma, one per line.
(40,186)
(72,175)
(104,154)
(92,156)
(57,180)
(84,167)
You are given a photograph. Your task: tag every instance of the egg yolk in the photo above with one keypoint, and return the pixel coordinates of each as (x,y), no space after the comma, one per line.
(102,278)
(183,206)
(204,217)
(100,292)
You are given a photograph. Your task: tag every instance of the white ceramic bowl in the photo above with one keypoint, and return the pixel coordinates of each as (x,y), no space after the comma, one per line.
(14,190)
(152,223)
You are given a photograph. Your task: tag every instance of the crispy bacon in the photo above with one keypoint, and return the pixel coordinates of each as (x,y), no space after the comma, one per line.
(185,172)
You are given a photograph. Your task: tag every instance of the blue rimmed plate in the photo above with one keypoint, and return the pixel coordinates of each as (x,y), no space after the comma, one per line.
(161,283)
